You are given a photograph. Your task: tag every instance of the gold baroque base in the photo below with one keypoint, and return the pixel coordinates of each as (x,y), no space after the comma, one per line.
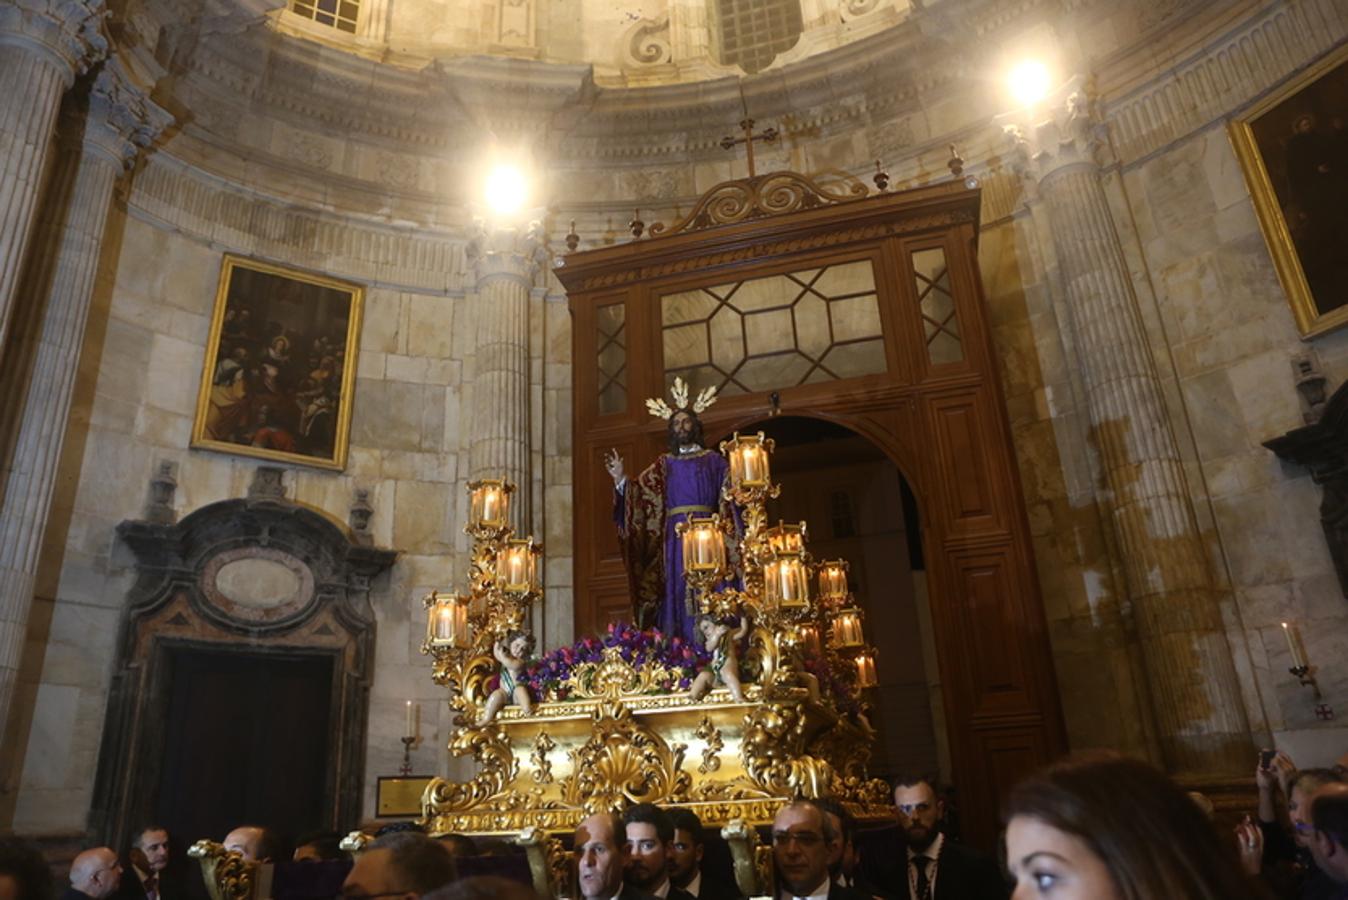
(723,759)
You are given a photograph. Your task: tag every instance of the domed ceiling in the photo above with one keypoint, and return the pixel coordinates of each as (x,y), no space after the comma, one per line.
(627,42)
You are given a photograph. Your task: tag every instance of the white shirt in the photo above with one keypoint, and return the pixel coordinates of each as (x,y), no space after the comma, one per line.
(662,891)
(695,886)
(933,853)
(819,893)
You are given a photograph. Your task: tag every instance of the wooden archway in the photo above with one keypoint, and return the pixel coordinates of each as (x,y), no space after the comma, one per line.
(921,384)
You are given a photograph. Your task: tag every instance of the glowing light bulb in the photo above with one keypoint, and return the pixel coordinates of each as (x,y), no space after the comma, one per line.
(1029,82)
(506,189)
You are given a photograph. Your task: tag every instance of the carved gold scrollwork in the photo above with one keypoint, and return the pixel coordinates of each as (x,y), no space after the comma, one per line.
(757,196)
(543,745)
(497,765)
(711,753)
(772,757)
(613,677)
(227,874)
(623,763)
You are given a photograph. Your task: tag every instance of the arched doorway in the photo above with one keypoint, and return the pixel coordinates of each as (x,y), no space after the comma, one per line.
(860,507)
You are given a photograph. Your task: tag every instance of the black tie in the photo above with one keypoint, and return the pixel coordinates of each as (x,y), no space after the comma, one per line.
(923,885)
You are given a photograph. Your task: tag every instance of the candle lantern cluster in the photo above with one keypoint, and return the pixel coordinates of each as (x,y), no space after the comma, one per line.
(800,605)
(504,579)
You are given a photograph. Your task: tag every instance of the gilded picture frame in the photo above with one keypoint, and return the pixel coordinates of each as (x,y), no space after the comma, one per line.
(279,372)
(1293,151)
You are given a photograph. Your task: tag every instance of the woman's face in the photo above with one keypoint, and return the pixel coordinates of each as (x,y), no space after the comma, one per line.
(1054,865)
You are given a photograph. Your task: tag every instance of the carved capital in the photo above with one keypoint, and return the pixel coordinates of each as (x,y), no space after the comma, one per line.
(68,31)
(119,119)
(506,252)
(1071,135)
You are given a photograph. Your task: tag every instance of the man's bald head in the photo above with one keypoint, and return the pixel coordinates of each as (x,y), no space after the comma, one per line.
(96,872)
(253,842)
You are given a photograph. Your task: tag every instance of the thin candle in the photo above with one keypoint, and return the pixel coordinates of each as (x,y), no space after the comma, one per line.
(411,725)
(1297,659)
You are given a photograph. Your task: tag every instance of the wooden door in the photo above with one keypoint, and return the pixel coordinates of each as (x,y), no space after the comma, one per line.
(868,313)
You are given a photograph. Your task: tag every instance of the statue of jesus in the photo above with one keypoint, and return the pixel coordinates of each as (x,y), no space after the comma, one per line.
(680,484)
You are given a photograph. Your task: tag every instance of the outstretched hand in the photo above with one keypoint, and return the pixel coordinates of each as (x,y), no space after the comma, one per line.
(614,464)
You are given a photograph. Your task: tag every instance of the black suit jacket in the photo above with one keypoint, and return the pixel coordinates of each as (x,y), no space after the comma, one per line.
(171,887)
(718,889)
(962,873)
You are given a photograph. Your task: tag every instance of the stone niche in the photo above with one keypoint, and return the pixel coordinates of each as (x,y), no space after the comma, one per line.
(260,574)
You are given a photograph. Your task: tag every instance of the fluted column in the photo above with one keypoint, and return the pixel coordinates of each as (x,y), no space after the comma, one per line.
(1198,706)
(43,45)
(102,126)
(505,261)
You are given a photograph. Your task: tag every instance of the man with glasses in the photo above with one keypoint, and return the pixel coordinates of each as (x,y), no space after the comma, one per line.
(803,842)
(403,864)
(935,867)
(94,875)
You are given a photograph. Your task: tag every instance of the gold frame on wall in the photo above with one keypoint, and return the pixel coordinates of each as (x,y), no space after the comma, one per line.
(1270,202)
(232,406)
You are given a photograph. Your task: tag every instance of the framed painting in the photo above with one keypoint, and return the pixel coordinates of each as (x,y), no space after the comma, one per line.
(1293,150)
(280,365)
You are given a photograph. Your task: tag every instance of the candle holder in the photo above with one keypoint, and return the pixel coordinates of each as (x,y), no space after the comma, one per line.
(846,633)
(489,506)
(447,622)
(517,566)
(406,768)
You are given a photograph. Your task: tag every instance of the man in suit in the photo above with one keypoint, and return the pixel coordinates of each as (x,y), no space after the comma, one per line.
(144,875)
(685,860)
(256,844)
(649,833)
(803,842)
(1328,841)
(601,857)
(845,865)
(935,867)
(94,875)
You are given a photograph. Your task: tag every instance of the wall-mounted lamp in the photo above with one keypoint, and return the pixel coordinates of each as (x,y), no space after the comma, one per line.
(1302,669)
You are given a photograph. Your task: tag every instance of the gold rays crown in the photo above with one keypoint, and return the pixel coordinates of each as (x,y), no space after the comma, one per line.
(679,393)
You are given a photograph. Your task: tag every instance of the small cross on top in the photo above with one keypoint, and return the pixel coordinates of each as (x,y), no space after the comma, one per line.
(767,136)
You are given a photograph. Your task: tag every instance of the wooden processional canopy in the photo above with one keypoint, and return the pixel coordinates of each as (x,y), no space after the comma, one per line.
(863,309)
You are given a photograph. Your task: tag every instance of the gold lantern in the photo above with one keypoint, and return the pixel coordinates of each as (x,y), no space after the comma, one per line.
(786,582)
(447,621)
(833,581)
(784,538)
(809,638)
(489,503)
(865,664)
(703,545)
(517,566)
(748,455)
(846,630)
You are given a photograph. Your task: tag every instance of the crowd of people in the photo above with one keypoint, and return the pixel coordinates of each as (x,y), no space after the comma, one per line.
(1094,827)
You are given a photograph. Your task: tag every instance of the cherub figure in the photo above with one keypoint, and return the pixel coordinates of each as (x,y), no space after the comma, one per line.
(513,654)
(725,664)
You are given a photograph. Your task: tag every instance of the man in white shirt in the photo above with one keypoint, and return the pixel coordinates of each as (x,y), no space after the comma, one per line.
(931,865)
(803,842)
(685,860)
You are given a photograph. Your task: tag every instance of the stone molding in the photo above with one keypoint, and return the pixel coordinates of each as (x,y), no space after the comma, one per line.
(1223,75)
(116,119)
(507,252)
(69,31)
(1071,136)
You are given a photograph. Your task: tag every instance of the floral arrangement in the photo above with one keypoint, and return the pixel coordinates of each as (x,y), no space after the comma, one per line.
(834,684)
(547,677)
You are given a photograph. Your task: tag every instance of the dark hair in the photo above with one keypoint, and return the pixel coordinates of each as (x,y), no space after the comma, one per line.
(650,814)
(1329,815)
(422,863)
(687,820)
(484,887)
(846,821)
(913,779)
(515,635)
(1153,840)
(22,862)
(326,843)
(696,437)
(458,844)
(272,845)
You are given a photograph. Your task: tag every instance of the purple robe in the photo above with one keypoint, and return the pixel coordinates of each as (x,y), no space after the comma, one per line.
(670,490)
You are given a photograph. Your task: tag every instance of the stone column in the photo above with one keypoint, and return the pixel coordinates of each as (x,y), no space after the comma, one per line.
(505,261)
(43,45)
(1198,707)
(100,131)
